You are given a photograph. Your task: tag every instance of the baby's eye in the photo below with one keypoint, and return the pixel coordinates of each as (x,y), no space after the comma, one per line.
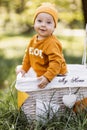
(49,22)
(39,20)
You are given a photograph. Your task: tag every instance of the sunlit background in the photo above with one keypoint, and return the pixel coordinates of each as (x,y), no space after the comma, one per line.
(16,29)
(16,16)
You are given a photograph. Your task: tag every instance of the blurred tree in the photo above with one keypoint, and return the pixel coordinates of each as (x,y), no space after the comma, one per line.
(70,13)
(19,13)
(84,5)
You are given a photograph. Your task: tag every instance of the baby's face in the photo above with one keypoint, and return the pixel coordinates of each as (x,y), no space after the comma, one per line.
(44,25)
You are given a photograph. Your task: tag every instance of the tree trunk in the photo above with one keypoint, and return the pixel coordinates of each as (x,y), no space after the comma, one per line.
(84,6)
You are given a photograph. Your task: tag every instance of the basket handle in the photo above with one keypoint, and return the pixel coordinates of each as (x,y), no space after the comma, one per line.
(84,58)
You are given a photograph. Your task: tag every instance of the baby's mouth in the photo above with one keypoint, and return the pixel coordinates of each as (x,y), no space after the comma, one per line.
(43,30)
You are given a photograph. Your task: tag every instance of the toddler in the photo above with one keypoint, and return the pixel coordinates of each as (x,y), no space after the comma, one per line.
(44,52)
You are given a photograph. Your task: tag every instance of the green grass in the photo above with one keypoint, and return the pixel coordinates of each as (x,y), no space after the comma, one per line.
(11,53)
(13,119)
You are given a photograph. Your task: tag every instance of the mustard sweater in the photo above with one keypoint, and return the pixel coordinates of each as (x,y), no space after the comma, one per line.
(45,57)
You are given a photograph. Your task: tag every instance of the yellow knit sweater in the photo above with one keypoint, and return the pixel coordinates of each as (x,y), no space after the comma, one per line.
(45,57)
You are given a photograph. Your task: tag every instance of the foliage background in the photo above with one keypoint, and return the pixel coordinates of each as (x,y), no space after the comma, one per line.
(18,14)
(16,29)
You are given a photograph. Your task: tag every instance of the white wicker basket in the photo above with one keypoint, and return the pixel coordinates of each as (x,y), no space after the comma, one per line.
(55,92)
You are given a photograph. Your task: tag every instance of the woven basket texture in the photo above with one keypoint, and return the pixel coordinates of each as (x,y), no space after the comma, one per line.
(52,95)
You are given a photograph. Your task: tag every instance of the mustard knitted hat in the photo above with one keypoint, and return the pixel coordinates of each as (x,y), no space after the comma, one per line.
(47,8)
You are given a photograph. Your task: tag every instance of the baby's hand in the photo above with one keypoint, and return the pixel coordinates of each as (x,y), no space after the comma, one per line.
(43,82)
(20,70)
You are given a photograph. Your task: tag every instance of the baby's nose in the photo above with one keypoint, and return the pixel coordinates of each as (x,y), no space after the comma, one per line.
(43,24)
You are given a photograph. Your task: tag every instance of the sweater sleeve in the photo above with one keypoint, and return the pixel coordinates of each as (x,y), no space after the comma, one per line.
(26,60)
(55,57)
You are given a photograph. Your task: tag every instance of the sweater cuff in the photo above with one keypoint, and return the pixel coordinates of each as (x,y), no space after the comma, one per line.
(49,76)
(25,69)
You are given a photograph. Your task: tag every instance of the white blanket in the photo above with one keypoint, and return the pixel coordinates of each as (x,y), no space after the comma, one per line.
(76,77)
